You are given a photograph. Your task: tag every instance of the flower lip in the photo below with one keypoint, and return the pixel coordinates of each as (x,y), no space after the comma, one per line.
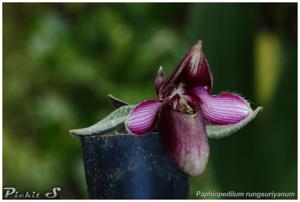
(185,139)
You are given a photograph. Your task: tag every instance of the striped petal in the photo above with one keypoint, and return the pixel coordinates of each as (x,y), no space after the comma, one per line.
(142,117)
(184,137)
(222,109)
(192,71)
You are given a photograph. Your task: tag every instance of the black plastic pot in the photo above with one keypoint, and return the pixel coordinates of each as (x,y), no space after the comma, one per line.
(129,167)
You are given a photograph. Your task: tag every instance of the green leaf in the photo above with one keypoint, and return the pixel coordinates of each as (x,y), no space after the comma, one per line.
(220,131)
(109,123)
(116,101)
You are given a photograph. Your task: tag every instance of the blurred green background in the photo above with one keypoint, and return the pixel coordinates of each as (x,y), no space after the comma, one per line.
(61,60)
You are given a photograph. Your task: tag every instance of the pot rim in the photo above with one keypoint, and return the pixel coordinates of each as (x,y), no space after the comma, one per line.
(111,134)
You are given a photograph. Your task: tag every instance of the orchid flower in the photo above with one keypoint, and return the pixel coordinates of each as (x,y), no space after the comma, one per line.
(183,109)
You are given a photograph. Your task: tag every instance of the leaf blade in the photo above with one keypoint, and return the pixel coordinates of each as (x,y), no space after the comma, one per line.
(110,122)
(220,131)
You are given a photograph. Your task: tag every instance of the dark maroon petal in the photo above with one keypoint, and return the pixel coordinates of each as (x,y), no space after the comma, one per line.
(142,117)
(192,71)
(116,101)
(222,109)
(184,137)
(160,79)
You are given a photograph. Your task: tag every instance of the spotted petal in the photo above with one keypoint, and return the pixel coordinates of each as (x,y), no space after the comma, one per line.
(222,109)
(184,137)
(142,117)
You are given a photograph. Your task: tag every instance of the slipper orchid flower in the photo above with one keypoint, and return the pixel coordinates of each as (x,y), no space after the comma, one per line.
(183,108)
